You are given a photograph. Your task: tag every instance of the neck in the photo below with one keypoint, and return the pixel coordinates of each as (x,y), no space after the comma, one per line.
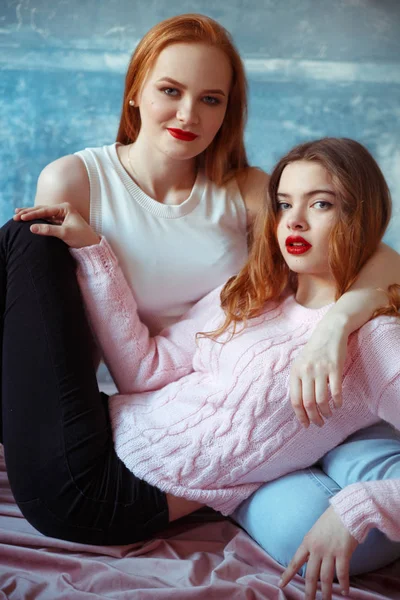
(314,291)
(165,179)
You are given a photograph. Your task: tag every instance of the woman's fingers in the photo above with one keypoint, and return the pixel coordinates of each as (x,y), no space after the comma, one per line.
(328,545)
(295,564)
(322,396)
(312,577)
(49,230)
(327,574)
(311,390)
(342,573)
(296,398)
(318,368)
(335,385)
(26,210)
(42,212)
(63,222)
(18,212)
(310,401)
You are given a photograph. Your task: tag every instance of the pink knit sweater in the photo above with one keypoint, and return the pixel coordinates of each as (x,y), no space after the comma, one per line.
(211,422)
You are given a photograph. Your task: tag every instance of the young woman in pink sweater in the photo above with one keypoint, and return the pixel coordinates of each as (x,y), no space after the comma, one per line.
(198,419)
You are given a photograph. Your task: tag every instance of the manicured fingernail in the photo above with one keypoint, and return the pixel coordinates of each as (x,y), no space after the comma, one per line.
(34,228)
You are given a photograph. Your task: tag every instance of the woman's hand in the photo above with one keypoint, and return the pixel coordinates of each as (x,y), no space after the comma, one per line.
(65,223)
(326,548)
(321,361)
(317,372)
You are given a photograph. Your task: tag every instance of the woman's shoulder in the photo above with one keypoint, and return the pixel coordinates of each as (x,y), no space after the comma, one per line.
(379,336)
(65,180)
(374,355)
(253,186)
(380,326)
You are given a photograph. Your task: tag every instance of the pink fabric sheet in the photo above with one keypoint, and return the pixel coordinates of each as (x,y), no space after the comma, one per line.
(199,559)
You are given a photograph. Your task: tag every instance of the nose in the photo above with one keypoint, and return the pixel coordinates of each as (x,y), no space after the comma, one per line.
(187,113)
(297,220)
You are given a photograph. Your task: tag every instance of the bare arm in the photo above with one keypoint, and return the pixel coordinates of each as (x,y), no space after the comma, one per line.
(65,180)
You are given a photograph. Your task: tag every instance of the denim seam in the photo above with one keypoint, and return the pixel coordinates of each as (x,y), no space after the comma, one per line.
(321,484)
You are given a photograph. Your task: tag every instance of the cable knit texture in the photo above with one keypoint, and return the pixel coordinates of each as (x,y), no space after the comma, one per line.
(210,421)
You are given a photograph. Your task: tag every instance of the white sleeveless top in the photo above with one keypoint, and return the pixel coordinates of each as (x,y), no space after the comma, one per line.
(171,255)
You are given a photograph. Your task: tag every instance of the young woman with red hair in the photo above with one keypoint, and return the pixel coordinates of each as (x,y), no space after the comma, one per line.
(201,418)
(175,197)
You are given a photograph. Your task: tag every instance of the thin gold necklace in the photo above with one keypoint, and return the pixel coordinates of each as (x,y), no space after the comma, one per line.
(131,169)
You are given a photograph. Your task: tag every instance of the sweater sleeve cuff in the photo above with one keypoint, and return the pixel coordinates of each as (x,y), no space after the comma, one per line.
(95,259)
(356,510)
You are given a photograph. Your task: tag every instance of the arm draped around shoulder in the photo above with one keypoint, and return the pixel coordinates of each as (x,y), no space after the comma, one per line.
(368,293)
(137,361)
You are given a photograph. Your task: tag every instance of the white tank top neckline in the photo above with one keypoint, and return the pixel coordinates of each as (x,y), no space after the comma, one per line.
(171,255)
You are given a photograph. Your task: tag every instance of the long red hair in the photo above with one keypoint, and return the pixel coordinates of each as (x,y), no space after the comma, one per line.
(226,155)
(365,211)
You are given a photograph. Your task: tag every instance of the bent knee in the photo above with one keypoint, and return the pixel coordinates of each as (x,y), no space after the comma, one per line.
(18,235)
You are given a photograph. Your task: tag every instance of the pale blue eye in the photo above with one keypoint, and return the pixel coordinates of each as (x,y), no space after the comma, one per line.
(322,204)
(211,100)
(170,91)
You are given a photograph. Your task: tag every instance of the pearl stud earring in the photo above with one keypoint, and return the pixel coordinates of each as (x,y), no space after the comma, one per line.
(131,103)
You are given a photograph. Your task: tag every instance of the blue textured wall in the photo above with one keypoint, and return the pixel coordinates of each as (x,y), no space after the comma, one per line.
(315,68)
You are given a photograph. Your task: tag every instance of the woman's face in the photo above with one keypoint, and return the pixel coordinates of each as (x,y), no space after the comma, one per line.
(308,210)
(183,99)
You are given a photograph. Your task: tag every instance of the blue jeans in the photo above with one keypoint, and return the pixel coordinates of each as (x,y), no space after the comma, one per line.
(280,513)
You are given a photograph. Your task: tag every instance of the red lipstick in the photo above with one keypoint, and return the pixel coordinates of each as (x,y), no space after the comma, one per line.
(297,245)
(179,134)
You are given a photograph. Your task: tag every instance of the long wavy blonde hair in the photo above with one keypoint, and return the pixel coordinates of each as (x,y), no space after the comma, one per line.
(226,154)
(364,213)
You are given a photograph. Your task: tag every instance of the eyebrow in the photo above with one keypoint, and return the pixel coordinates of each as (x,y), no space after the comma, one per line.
(309,194)
(174,82)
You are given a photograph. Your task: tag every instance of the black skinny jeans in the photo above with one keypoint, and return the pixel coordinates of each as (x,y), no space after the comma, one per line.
(63,470)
